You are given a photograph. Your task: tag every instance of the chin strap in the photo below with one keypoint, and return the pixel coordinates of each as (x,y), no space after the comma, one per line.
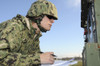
(42,29)
(38,21)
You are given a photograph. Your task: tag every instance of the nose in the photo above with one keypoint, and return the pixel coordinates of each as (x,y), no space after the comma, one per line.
(52,20)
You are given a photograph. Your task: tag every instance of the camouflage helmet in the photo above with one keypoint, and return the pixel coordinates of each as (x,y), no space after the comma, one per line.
(41,7)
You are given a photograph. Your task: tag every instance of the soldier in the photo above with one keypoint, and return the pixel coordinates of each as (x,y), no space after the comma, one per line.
(19,37)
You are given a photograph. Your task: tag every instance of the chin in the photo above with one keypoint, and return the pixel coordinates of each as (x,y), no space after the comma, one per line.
(48,30)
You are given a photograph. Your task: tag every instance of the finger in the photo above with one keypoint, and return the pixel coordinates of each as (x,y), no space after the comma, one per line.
(51,55)
(51,58)
(51,61)
(51,52)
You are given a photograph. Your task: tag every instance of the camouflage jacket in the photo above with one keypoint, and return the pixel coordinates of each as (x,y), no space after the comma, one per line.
(19,43)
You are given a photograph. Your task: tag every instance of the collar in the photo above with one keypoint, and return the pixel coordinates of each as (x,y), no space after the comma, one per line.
(29,25)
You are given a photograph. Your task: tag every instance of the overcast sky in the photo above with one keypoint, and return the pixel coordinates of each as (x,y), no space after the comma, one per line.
(65,38)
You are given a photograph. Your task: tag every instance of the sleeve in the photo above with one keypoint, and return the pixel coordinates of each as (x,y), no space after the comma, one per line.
(17,59)
(8,56)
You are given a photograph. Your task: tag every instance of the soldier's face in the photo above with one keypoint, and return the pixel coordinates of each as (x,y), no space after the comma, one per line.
(46,23)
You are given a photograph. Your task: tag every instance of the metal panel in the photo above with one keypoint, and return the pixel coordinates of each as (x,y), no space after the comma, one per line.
(91,55)
(97,14)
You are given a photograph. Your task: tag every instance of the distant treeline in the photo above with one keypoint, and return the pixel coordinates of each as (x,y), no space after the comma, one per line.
(68,58)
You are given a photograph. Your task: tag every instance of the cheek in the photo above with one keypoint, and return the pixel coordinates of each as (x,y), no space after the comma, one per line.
(43,24)
(46,23)
(46,26)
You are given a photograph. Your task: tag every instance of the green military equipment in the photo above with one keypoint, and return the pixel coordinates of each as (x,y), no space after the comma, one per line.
(91,55)
(90,21)
(42,7)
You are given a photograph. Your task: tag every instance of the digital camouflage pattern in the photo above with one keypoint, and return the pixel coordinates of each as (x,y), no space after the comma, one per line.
(19,43)
(41,7)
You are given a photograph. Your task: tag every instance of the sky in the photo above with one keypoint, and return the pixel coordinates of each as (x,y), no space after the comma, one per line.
(65,38)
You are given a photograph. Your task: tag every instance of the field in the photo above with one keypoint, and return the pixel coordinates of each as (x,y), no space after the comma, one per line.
(78,64)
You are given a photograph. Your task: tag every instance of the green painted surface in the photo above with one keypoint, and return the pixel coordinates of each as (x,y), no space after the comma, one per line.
(92,56)
(97,14)
(91,51)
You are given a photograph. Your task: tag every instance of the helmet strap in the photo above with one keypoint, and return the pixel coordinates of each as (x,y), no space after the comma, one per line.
(38,21)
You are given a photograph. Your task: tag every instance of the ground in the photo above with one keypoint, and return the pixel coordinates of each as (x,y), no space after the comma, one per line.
(78,64)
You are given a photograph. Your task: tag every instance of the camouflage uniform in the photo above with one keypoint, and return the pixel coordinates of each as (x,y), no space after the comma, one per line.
(19,42)
(19,45)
